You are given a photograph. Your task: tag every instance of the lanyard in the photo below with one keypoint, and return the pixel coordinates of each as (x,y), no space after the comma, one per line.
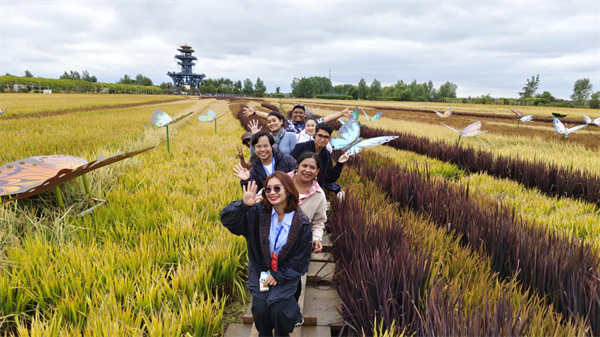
(277,237)
(272,166)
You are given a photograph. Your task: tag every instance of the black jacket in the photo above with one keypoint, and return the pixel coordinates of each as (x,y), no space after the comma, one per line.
(254,224)
(328,172)
(283,162)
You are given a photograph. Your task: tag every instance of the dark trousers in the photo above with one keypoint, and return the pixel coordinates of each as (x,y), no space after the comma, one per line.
(280,316)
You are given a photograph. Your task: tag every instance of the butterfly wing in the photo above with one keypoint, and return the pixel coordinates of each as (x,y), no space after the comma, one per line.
(341,121)
(453,129)
(355,113)
(438,113)
(25,174)
(517,112)
(208,117)
(160,118)
(559,126)
(575,128)
(349,133)
(376,117)
(366,116)
(587,119)
(55,178)
(366,143)
(472,130)
(596,121)
(448,112)
(527,118)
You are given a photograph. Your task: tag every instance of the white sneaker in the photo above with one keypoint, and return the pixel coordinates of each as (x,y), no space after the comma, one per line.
(340,195)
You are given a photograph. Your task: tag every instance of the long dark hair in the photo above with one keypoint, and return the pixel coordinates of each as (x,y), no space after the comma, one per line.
(308,154)
(292,200)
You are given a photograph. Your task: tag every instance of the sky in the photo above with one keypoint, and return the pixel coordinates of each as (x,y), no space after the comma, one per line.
(485,47)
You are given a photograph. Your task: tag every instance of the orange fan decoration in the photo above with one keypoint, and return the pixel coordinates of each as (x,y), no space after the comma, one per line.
(30,176)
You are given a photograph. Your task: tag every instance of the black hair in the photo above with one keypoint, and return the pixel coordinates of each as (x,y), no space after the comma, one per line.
(260,134)
(276,114)
(309,154)
(310,119)
(291,114)
(324,126)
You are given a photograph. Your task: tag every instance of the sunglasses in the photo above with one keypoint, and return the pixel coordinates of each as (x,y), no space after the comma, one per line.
(276,188)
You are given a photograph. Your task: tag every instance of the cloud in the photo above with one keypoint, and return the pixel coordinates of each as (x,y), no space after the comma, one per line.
(490,47)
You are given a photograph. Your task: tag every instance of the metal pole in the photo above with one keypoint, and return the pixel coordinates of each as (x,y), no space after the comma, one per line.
(86,186)
(168,145)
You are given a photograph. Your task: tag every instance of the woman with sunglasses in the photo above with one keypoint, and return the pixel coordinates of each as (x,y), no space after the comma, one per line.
(278,236)
(297,115)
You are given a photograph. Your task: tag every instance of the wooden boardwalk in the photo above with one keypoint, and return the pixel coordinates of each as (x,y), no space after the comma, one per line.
(319,302)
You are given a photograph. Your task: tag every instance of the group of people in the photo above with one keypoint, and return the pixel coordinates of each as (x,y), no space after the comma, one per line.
(282,213)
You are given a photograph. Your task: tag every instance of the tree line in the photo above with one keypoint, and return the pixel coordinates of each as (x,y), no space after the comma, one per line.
(310,87)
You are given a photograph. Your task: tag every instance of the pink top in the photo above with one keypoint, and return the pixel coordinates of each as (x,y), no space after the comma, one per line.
(314,188)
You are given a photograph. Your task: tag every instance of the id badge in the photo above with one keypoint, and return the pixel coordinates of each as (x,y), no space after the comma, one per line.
(274,262)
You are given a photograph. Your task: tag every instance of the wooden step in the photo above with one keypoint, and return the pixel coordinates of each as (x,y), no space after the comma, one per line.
(320,271)
(236,330)
(326,242)
(316,331)
(321,257)
(323,301)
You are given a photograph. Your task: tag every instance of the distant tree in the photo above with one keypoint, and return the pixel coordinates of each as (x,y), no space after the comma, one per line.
(126,80)
(143,80)
(530,87)
(447,90)
(166,85)
(7,74)
(363,89)
(211,88)
(581,91)
(277,90)
(547,95)
(86,77)
(309,87)
(595,100)
(352,91)
(259,87)
(375,90)
(237,87)
(28,73)
(248,87)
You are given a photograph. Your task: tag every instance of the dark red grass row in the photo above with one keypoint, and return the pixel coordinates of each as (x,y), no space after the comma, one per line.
(550,179)
(563,269)
(378,275)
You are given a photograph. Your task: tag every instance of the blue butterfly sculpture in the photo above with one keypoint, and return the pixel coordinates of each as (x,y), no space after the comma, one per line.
(350,140)
(208,117)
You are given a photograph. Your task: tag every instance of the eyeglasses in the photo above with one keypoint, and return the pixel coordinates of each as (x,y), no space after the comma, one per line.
(318,135)
(276,188)
(260,147)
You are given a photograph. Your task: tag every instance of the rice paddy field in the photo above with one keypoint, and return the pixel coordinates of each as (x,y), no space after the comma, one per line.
(498,235)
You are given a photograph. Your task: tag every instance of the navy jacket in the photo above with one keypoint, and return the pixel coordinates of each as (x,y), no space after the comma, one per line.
(328,172)
(254,223)
(283,162)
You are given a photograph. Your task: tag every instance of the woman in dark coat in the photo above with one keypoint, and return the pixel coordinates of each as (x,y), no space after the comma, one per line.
(279,239)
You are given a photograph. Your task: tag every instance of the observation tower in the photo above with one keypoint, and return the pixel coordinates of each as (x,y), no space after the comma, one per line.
(186,64)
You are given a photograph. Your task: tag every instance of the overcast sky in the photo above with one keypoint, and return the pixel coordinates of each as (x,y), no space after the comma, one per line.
(484,47)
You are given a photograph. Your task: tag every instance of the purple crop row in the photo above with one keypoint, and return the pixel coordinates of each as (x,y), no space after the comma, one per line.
(550,179)
(563,269)
(379,276)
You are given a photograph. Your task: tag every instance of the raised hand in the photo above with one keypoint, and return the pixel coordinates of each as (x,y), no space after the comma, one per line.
(242,173)
(240,153)
(344,158)
(253,125)
(249,197)
(248,111)
(347,113)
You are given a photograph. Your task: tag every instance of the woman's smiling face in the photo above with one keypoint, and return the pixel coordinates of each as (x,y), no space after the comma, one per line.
(276,193)
(274,123)
(310,127)
(307,170)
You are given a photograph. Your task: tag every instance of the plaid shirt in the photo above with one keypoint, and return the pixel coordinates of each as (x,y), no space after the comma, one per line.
(298,127)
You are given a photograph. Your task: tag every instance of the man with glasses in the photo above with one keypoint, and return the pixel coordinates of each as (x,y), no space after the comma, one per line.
(329,173)
(298,117)
(269,160)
